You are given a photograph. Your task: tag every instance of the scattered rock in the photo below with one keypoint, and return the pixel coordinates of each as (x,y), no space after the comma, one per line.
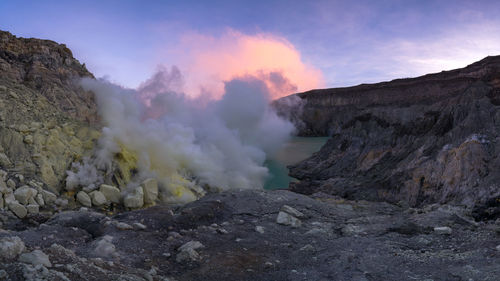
(4,160)
(98,199)
(48,197)
(350,230)
(307,248)
(187,252)
(135,199)
(84,198)
(259,229)
(39,200)
(139,226)
(36,257)
(11,247)
(123,226)
(33,208)
(111,193)
(442,230)
(150,188)
(18,209)
(3,274)
(11,183)
(291,211)
(24,194)
(105,248)
(287,219)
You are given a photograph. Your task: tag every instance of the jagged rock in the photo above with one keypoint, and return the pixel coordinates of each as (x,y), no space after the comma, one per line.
(49,197)
(19,210)
(10,247)
(111,193)
(287,219)
(135,199)
(292,211)
(3,175)
(150,187)
(98,198)
(33,208)
(187,252)
(84,198)
(24,194)
(138,225)
(11,184)
(36,257)
(39,200)
(4,160)
(1,201)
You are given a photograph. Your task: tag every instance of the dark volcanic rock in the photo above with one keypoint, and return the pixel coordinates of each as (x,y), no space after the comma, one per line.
(337,240)
(424,140)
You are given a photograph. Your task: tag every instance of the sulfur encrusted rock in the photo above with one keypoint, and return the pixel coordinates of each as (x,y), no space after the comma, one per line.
(150,187)
(18,209)
(111,193)
(24,194)
(134,199)
(84,198)
(98,199)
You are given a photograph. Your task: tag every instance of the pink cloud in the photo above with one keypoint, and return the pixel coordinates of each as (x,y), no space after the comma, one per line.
(207,62)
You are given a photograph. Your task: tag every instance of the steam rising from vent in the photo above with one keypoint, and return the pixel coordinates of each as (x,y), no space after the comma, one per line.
(188,142)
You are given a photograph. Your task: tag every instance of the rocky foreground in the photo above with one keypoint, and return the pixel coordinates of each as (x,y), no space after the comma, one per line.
(253,235)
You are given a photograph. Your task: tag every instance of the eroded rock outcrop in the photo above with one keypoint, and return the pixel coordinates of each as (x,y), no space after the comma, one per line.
(46,120)
(429,139)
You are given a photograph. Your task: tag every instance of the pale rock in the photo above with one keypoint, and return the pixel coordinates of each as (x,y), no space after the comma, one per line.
(4,160)
(24,193)
(112,193)
(3,175)
(1,201)
(123,226)
(150,188)
(11,247)
(18,209)
(259,229)
(33,208)
(3,187)
(84,199)
(289,210)
(307,248)
(104,247)
(89,188)
(287,219)
(443,230)
(49,197)
(19,177)
(39,200)
(187,252)
(351,229)
(98,199)
(32,201)
(498,248)
(35,258)
(9,197)
(28,139)
(11,183)
(134,199)
(139,226)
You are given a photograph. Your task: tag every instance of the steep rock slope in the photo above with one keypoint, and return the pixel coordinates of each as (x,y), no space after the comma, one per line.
(429,139)
(46,120)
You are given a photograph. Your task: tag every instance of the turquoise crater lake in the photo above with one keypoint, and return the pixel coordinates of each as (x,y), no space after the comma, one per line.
(294,151)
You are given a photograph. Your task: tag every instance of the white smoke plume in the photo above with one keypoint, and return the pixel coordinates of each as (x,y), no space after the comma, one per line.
(218,143)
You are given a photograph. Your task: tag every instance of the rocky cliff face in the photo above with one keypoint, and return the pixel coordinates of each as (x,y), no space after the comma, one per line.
(46,120)
(429,139)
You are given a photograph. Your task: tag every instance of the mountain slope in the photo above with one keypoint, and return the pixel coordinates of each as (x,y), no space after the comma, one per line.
(423,140)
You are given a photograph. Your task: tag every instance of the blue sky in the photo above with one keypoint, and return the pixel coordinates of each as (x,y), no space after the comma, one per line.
(351,42)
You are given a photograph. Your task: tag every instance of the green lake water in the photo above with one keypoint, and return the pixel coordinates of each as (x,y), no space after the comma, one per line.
(296,150)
